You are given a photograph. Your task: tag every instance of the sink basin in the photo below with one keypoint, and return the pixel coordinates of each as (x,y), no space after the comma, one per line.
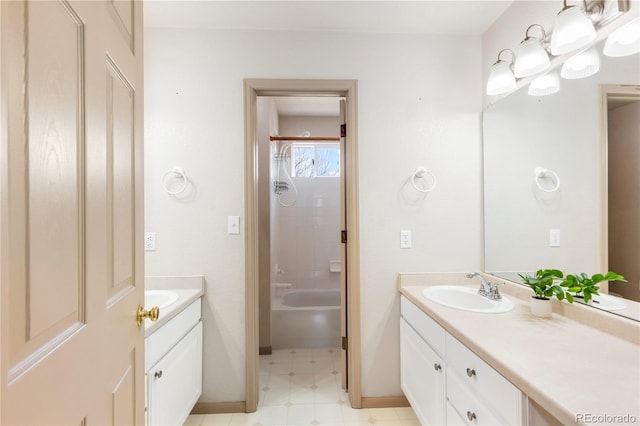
(607,303)
(466,299)
(159,298)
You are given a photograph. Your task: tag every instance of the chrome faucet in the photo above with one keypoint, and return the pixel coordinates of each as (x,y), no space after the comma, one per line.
(487,289)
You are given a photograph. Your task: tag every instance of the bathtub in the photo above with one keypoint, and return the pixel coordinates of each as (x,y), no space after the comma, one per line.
(306,319)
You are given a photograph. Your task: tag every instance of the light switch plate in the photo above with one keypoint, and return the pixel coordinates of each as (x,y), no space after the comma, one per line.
(405,239)
(233,224)
(554,238)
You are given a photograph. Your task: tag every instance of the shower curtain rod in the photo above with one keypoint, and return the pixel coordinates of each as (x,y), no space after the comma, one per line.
(303,138)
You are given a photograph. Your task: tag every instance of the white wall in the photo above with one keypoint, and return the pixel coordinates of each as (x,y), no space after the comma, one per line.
(419,99)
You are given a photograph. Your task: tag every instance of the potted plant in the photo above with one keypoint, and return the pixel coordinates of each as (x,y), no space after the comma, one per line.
(545,284)
(584,286)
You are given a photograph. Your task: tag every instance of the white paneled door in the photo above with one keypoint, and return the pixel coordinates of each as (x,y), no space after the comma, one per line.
(71,213)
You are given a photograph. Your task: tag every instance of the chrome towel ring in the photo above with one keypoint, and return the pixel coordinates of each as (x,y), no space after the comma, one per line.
(175,173)
(542,173)
(419,173)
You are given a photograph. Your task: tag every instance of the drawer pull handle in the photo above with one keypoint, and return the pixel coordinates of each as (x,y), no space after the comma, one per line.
(471,416)
(471,372)
(437,366)
(158,374)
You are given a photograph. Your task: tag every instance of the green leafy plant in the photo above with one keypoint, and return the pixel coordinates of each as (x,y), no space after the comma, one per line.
(584,286)
(545,284)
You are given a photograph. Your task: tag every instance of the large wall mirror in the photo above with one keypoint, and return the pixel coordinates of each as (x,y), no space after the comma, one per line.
(561,180)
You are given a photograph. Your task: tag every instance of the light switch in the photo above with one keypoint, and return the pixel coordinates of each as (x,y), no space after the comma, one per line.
(149,241)
(405,239)
(233,224)
(554,238)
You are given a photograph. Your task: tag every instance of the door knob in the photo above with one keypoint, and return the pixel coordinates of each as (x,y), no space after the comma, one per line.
(152,314)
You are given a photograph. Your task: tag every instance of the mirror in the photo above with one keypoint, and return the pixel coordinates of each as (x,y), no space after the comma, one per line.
(545,175)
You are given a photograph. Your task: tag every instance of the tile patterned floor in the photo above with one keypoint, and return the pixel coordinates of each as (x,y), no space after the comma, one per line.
(302,387)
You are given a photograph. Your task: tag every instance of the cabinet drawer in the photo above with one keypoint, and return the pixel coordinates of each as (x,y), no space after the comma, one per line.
(472,410)
(427,328)
(161,341)
(453,418)
(482,380)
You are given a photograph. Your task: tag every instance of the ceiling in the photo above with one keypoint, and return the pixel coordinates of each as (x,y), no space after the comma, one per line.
(434,17)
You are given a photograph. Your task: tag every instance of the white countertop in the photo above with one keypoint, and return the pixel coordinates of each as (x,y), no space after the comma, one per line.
(567,367)
(189,289)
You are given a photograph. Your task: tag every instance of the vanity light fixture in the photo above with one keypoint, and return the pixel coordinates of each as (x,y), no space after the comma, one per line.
(544,85)
(582,65)
(501,78)
(531,56)
(624,41)
(573,29)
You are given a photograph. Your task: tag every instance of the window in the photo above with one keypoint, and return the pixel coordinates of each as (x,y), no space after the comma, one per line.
(321,160)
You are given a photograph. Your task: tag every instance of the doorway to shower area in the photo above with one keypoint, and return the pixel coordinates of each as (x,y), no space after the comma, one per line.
(299,157)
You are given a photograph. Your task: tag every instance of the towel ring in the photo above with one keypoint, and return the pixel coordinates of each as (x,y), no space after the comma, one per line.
(541,172)
(420,172)
(177,173)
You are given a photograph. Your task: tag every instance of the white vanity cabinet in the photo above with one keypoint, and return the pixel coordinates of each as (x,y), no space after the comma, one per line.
(464,390)
(422,368)
(174,367)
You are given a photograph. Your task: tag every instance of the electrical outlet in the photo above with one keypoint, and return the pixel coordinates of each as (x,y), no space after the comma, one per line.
(149,241)
(405,239)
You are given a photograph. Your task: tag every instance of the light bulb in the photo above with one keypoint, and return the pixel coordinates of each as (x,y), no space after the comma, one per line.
(624,41)
(581,65)
(531,58)
(572,30)
(501,79)
(546,84)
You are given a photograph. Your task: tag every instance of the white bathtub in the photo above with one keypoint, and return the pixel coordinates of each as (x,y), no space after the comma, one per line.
(306,319)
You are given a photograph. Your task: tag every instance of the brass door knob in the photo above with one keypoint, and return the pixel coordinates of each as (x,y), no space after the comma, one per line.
(153,314)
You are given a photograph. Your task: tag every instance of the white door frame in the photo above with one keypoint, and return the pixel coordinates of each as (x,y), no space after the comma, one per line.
(286,87)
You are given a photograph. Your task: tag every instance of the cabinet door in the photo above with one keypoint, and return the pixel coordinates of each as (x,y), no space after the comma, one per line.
(422,376)
(175,382)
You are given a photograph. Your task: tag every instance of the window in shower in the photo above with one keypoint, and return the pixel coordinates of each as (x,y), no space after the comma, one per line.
(322,160)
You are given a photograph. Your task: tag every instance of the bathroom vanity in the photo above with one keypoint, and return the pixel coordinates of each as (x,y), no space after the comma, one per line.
(173,350)
(511,368)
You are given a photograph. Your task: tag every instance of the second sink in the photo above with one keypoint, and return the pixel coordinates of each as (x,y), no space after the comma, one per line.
(159,298)
(465,298)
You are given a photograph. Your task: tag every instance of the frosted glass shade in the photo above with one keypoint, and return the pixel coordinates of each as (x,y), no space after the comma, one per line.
(624,41)
(572,30)
(581,65)
(544,85)
(531,58)
(501,79)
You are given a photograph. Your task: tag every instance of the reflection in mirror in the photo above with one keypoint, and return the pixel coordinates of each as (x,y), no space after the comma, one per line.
(530,224)
(621,111)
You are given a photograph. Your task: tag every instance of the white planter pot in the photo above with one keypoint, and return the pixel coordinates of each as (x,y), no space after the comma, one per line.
(541,307)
